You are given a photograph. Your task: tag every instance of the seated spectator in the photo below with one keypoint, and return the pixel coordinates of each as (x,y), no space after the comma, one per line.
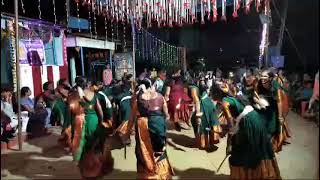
(9,120)
(39,120)
(26,102)
(303,94)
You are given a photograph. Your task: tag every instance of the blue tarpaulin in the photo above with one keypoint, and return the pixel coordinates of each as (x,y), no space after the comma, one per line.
(77,23)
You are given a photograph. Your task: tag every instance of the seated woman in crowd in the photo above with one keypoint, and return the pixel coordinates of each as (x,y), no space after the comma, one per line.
(26,102)
(9,120)
(39,119)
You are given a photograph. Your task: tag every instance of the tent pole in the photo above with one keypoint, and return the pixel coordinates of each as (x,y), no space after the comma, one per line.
(82,60)
(18,73)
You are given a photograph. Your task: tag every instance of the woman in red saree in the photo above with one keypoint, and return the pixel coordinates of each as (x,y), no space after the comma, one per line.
(178,101)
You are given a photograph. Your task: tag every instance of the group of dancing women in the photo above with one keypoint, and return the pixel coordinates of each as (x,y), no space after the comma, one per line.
(252,116)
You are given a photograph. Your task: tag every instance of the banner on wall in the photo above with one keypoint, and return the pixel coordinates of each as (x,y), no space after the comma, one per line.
(123,64)
(31,52)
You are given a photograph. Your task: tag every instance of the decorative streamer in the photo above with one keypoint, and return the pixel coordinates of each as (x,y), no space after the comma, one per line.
(223,8)
(209,9)
(258,5)
(247,6)
(12,46)
(22,6)
(39,8)
(54,11)
(235,8)
(215,10)
(202,11)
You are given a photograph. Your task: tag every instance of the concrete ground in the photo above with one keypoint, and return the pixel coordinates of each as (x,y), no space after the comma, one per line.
(43,158)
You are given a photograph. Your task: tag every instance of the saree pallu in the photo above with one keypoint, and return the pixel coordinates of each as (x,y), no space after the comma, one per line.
(148,165)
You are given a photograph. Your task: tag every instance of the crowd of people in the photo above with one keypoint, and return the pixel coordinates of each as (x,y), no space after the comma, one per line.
(251,114)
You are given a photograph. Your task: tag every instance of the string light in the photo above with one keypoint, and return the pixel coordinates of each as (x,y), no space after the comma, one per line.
(67,12)
(89,12)
(106,26)
(54,11)
(124,35)
(2,3)
(94,18)
(22,5)
(78,15)
(112,33)
(39,8)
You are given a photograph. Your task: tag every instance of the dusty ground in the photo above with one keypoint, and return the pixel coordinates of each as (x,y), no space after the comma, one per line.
(43,158)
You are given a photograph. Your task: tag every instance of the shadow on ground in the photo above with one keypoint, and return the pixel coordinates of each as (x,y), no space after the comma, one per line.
(182,140)
(26,165)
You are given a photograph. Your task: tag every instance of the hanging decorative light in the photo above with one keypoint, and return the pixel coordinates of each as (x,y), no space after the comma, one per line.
(106,26)
(39,8)
(223,9)
(258,5)
(78,15)
(214,11)
(67,11)
(94,17)
(89,17)
(54,11)
(22,6)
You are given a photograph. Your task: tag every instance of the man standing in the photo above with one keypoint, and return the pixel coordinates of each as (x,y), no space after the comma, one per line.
(107,76)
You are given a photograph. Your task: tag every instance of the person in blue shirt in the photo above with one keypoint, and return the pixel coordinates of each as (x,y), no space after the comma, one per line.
(26,102)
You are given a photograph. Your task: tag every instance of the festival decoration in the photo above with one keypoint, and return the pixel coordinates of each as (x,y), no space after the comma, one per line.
(39,8)
(67,11)
(22,6)
(161,13)
(153,51)
(89,14)
(12,47)
(94,17)
(223,10)
(78,15)
(54,11)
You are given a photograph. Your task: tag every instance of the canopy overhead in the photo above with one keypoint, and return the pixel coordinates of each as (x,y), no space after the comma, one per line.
(89,43)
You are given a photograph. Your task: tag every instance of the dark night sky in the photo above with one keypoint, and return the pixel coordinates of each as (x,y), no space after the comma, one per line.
(238,38)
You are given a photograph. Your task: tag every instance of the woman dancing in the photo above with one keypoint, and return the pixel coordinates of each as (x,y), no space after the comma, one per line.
(151,154)
(252,156)
(89,147)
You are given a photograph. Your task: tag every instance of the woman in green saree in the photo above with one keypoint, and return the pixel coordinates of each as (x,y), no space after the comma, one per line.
(90,146)
(269,87)
(252,156)
(205,120)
